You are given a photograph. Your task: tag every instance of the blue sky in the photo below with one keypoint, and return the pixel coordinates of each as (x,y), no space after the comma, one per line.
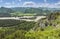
(30,3)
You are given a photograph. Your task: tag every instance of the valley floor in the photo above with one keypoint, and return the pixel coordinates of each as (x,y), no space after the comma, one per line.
(25,18)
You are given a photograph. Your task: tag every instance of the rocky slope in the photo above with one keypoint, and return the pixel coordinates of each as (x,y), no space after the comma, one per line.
(51,20)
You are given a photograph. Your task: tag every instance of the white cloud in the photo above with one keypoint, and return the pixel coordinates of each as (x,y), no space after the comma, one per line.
(54,5)
(50,5)
(57,3)
(44,4)
(8,3)
(45,0)
(33,4)
(29,4)
(11,4)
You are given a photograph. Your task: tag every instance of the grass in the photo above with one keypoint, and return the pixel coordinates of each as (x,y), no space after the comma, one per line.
(22,14)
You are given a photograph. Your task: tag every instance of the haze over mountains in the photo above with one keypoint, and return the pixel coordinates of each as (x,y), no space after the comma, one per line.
(39,11)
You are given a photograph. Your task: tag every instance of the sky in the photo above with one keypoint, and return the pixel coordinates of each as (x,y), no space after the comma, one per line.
(30,3)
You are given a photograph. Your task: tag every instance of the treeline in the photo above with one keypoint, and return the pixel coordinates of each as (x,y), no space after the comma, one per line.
(18,11)
(5,12)
(9,23)
(13,27)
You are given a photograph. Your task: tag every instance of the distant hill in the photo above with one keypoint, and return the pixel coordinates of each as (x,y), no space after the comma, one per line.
(39,11)
(5,11)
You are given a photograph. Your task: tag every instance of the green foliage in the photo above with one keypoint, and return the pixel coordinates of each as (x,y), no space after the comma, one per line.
(38,11)
(19,34)
(9,23)
(17,14)
(51,34)
(16,29)
(5,12)
(17,24)
(26,25)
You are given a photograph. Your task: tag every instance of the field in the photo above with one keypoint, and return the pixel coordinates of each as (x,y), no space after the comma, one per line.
(22,14)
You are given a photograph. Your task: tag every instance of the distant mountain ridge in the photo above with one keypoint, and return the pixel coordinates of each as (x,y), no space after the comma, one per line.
(5,11)
(42,8)
(39,11)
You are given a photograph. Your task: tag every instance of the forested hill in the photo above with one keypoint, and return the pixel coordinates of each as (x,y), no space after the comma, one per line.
(35,10)
(5,11)
(52,20)
(38,11)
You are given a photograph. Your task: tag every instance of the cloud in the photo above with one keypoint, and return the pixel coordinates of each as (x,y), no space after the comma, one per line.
(33,4)
(44,4)
(47,5)
(50,5)
(45,0)
(10,3)
(29,4)
(11,6)
(57,3)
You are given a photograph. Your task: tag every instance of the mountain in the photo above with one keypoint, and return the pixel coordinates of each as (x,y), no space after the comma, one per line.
(5,11)
(38,11)
(27,10)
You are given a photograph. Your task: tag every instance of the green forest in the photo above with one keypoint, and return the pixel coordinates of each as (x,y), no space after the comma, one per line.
(16,29)
(26,11)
